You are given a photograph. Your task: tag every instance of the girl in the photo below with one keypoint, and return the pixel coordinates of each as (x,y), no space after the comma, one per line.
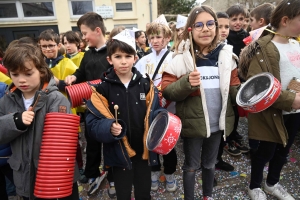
(277,126)
(31,76)
(124,86)
(203,96)
(71,41)
(140,39)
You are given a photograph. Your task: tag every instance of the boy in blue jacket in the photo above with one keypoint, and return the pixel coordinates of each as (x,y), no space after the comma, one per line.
(124,138)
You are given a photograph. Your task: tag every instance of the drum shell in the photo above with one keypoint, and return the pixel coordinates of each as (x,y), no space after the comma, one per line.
(266,100)
(170,135)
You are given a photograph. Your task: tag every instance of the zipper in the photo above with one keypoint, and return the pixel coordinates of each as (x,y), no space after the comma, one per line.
(123,153)
(128,115)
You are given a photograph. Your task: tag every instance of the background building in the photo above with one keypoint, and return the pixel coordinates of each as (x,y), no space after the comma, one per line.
(19,18)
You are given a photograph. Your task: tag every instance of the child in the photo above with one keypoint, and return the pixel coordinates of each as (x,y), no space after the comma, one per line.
(93,64)
(223,23)
(203,96)
(260,16)
(178,29)
(277,126)
(123,85)
(246,24)
(154,64)
(140,39)
(31,76)
(237,14)
(71,41)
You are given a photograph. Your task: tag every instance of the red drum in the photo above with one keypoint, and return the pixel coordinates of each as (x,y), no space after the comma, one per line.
(258,93)
(163,133)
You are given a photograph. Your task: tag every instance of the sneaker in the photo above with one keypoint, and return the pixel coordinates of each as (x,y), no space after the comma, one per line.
(111,190)
(155,180)
(240,146)
(207,198)
(94,183)
(257,194)
(231,149)
(83,178)
(171,185)
(278,191)
(224,166)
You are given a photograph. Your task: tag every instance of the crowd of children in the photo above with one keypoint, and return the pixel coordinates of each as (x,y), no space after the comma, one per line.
(192,68)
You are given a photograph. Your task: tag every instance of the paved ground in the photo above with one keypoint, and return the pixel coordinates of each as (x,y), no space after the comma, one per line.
(231,185)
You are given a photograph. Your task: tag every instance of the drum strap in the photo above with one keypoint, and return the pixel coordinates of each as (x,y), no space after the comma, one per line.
(159,64)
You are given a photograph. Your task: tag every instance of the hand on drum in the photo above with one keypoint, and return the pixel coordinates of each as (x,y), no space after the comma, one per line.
(116,129)
(70,79)
(296,103)
(194,78)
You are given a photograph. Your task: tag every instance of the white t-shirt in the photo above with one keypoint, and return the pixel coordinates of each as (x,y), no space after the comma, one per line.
(289,63)
(27,102)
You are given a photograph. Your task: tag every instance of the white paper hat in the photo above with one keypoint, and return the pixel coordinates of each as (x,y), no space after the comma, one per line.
(181,21)
(126,36)
(161,20)
(135,29)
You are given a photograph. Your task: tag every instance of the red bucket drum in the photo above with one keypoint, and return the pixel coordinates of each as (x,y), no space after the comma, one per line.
(163,133)
(259,92)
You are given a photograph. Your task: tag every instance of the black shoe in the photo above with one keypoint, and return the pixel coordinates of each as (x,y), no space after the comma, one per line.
(231,149)
(215,182)
(240,146)
(83,179)
(224,166)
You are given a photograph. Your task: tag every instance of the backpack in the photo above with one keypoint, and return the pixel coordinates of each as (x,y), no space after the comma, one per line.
(3,87)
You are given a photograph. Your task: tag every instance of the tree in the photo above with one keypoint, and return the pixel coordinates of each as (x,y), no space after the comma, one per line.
(175,6)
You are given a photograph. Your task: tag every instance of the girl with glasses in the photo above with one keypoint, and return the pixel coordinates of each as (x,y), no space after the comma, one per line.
(203,89)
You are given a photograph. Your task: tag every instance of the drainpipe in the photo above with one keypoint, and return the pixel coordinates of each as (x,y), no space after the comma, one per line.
(150,6)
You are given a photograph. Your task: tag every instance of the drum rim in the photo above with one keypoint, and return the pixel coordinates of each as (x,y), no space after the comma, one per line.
(150,128)
(243,104)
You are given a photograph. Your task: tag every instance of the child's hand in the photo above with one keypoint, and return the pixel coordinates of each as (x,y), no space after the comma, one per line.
(194,78)
(296,103)
(70,79)
(116,129)
(27,116)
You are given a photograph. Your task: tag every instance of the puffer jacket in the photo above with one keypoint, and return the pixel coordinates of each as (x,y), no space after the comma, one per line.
(263,56)
(138,106)
(26,144)
(190,101)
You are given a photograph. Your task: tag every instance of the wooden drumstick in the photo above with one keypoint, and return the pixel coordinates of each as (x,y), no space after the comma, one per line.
(192,47)
(116,107)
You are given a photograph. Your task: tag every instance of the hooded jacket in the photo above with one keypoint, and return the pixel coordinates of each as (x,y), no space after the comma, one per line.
(263,56)
(26,142)
(191,104)
(138,105)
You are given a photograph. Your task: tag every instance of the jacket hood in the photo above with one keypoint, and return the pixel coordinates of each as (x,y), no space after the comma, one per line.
(111,76)
(248,53)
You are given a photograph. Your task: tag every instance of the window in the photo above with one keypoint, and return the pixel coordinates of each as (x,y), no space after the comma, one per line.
(21,10)
(80,7)
(123,7)
(39,9)
(8,10)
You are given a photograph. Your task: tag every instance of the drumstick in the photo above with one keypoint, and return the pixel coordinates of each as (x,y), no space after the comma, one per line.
(116,107)
(192,47)
(36,101)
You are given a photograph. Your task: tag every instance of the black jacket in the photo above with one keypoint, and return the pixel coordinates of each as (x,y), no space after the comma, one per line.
(132,113)
(235,38)
(92,65)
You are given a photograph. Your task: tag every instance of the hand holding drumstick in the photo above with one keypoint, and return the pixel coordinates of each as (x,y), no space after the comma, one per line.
(116,128)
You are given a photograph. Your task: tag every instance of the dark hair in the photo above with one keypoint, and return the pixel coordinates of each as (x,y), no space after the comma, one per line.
(48,35)
(115,45)
(263,11)
(71,37)
(91,20)
(191,20)
(137,34)
(18,53)
(285,8)
(222,15)
(236,10)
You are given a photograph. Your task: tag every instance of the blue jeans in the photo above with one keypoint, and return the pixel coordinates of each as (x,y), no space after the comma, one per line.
(196,150)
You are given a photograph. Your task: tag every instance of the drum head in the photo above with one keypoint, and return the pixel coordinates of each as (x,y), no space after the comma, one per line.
(157,130)
(255,90)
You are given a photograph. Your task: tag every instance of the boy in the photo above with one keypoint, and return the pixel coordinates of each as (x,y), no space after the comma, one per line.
(93,64)
(123,85)
(71,41)
(237,14)
(153,64)
(260,16)
(223,23)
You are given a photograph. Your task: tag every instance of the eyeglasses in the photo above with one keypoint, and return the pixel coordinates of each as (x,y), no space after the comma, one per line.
(50,46)
(209,24)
